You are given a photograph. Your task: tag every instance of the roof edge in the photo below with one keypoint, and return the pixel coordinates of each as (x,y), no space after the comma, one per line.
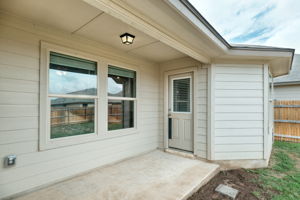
(290,50)
(195,12)
(287,83)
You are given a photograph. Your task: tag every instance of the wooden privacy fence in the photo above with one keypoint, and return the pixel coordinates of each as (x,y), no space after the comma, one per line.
(70,115)
(287,120)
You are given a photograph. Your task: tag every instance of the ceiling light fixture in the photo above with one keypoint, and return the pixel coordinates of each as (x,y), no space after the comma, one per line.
(127,38)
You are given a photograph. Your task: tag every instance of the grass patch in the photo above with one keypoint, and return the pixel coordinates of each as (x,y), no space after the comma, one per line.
(282,179)
(287,146)
(66,130)
(114,126)
(257,194)
(283,162)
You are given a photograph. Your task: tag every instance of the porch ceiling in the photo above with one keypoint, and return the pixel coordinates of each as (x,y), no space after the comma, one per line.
(79,18)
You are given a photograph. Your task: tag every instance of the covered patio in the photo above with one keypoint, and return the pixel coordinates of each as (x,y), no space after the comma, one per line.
(154,175)
(77,98)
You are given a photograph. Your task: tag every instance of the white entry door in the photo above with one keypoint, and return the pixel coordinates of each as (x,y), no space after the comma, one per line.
(180,123)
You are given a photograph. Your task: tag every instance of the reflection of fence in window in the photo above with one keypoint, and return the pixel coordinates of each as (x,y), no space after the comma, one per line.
(115,113)
(69,115)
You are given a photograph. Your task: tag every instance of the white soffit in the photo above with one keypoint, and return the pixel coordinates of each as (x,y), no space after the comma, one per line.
(126,13)
(107,29)
(157,51)
(79,18)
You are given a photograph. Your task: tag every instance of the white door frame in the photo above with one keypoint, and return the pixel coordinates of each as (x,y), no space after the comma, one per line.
(194,71)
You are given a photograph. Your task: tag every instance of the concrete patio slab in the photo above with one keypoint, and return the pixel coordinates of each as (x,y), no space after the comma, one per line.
(155,175)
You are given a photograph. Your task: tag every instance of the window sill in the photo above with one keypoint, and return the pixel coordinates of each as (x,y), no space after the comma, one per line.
(120,132)
(81,139)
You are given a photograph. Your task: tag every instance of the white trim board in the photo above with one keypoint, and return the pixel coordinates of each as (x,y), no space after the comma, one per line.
(266,109)
(211,113)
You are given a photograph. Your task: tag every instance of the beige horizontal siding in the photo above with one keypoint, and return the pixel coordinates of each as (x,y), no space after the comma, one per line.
(238,112)
(9,71)
(239,155)
(239,132)
(239,78)
(16,136)
(19,110)
(235,148)
(239,108)
(239,101)
(238,85)
(238,116)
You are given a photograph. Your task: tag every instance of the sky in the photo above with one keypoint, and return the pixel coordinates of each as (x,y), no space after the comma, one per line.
(261,22)
(63,82)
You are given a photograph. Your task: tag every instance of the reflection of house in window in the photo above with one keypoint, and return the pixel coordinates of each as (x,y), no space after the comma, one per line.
(121,97)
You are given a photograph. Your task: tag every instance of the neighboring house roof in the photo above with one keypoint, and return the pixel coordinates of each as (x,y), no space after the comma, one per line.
(68,101)
(293,77)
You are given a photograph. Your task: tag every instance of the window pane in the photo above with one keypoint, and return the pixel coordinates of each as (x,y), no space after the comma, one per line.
(181,95)
(121,82)
(71,75)
(71,117)
(120,114)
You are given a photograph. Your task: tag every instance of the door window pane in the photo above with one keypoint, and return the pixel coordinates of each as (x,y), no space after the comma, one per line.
(181,95)
(120,114)
(121,82)
(71,75)
(71,116)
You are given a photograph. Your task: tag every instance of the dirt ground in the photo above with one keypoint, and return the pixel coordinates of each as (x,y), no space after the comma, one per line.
(280,181)
(239,179)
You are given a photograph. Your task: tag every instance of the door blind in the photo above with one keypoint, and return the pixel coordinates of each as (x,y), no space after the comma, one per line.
(181,95)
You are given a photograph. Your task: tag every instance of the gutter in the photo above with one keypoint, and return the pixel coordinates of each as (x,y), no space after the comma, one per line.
(196,13)
(286,83)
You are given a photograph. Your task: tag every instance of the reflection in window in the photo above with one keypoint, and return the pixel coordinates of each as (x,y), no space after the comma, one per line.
(121,98)
(121,82)
(69,78)
(120,114)
(71,75)
(70,116)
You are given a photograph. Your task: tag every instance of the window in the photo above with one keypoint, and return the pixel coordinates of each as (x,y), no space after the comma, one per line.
(75,107)
(121,93)
(181,95)
(72,93)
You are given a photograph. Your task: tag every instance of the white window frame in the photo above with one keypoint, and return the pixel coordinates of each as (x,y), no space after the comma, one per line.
(101,102)
(134,99)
